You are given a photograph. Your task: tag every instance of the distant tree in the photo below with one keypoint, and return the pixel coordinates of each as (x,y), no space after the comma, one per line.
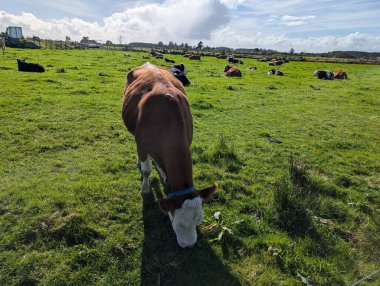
(160,44)
(200,45)
(291,52)
(171,45)
(120,39)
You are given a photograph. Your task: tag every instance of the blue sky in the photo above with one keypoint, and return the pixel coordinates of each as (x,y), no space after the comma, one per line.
(310,26)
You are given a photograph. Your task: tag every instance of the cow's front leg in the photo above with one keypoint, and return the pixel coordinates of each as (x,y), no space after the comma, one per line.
(146,169)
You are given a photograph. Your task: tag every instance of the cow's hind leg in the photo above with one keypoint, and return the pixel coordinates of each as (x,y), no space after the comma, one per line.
(145,165)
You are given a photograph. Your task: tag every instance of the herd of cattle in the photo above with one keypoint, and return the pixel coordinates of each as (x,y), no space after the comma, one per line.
(180,72)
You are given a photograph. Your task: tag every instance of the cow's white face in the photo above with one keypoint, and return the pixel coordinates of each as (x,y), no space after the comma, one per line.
(185,221)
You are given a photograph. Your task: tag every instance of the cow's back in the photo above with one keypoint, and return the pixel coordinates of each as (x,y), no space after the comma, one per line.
(155,106)
(156,111)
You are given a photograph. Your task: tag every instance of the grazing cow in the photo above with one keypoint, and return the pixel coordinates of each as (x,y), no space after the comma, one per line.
(2,45)
(146,57)
(180,71)
(340,74)
(251,68)
(127,55)
(323,74)
(275,72)
(169,61)
(156,111)
(194,57)
(159,56)
(221,57)
(232,71)
(29,67)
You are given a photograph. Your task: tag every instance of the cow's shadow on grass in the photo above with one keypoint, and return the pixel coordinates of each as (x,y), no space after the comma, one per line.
(165,263)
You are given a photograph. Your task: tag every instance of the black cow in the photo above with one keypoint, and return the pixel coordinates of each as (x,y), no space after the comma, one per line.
(275,72)
(323,74)
(29,67)
(169,61)
(180,71)
(276,63)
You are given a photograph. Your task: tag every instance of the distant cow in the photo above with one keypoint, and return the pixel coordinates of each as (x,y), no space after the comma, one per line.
(146,57)
(275,72)
(29,67)
(232,71)
(194,57)
(154,53)
(221,57)
(180,71)
(127,55)
(323,74)
(2,45)
(252,68)
(340,74)
(276,63)
(169,61)
(157,112)
(233,60)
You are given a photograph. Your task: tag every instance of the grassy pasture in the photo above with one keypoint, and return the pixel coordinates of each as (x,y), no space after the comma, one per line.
(306,208)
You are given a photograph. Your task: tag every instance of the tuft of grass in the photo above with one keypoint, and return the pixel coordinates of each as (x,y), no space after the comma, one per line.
(292,214)
(223,154)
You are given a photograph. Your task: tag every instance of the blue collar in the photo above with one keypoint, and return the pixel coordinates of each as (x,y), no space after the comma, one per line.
(181,192)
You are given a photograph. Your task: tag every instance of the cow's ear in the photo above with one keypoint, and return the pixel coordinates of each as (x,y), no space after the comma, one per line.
(206,194)
(166,205)
(131,76)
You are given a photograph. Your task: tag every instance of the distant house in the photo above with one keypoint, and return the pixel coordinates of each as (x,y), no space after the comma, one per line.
(87,43)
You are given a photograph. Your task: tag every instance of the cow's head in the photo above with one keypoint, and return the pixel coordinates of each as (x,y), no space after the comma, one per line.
(182,68)
(227,68)
(186,214)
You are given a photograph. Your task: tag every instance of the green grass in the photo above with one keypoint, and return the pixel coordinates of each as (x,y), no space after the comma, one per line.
(71,212)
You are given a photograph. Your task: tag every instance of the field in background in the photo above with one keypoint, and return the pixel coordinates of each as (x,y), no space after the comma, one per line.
(302,211)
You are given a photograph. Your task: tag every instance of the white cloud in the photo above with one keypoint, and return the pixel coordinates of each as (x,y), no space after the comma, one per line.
(296,21)
(353,42)
(232,3)
(173,20)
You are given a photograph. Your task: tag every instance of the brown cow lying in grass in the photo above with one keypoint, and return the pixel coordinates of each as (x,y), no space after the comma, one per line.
(156,111)
(232,71)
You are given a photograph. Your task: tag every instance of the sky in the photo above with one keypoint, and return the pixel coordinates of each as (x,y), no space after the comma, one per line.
(305,26)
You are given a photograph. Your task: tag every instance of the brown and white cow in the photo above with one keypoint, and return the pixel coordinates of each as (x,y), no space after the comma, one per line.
(156,111)
(232,71)
(340,74)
